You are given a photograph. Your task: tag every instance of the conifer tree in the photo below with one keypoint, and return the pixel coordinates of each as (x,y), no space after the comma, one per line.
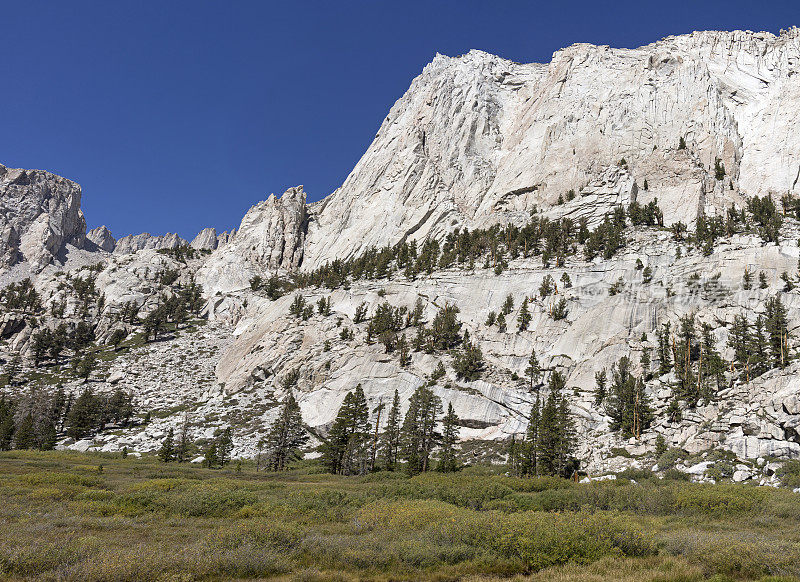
(7,425)
(390,439)
(468,362)
(777,327)
(524,317)
(24,437)
(167,451)
(418,433)
(447,456)
(182,448)
(501,323)
(555,439)
(225,446)
(286,435)
(534,370)
(347,448)
(600,387)
(628,404)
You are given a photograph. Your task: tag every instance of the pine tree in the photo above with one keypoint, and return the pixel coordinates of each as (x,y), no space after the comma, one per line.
(286,435)
(83,416)
(390,439)
(210,455)
(225,446)
(501,323)
(747,279)
(447,456)
(167,451)
(534,370)
(24,437)
(628,404)
(7,425)
(664,351)
(347,449)
(524,317)
(600,389)
(468,362)
(405,353)
(418,433)
(777,326)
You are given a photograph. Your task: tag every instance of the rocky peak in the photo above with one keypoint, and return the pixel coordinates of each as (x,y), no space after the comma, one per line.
(40,214)
(102,238)
(137,242)
(270,240)
(206,239)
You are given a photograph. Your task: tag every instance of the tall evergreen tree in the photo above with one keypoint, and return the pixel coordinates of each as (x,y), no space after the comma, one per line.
(347,449)
(390,439)
(286,435)
(24,437)
(777,326)
(534,370)
(225,446)
(7,425)
(628,404)
(418,433)
(450,430)
(524,317)
(167,451)
(555,439)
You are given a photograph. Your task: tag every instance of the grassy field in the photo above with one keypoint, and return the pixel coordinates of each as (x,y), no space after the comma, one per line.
(62,517)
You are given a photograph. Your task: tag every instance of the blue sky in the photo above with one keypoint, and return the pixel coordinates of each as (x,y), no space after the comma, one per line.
(176,115)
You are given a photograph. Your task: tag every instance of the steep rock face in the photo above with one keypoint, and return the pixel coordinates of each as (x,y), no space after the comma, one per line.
(478,139)
(39,215)
(102,238)
(206,239)
(137,242)
(755,419)
(270,239)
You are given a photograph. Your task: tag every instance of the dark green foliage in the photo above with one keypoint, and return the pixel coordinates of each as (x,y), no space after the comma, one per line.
(225,446)
(600,387)
(21,296)
(167,451)
(418,436)
(556,432)
(628,404)
(445,328)
(447,454)
(766,216)
(508,305)
(298,306)
(524,317)
(548,286)
(286,435)
(390,438)
(533,371)
(117,337)
(468,362)
(346,451)
(385,324)
(719,169)
(648,215)
(558,310)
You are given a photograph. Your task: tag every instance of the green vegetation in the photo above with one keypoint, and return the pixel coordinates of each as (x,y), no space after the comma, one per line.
(139,519)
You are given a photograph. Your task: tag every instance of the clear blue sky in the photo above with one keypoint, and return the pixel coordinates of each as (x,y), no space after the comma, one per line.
(175,115)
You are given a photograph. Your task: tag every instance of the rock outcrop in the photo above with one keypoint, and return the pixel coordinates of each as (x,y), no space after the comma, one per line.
(478,139)
(40,215)
(137,242)
(270,240)
(101,237)
(206,239)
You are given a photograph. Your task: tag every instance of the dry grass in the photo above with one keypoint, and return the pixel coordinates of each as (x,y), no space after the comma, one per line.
(62,519)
